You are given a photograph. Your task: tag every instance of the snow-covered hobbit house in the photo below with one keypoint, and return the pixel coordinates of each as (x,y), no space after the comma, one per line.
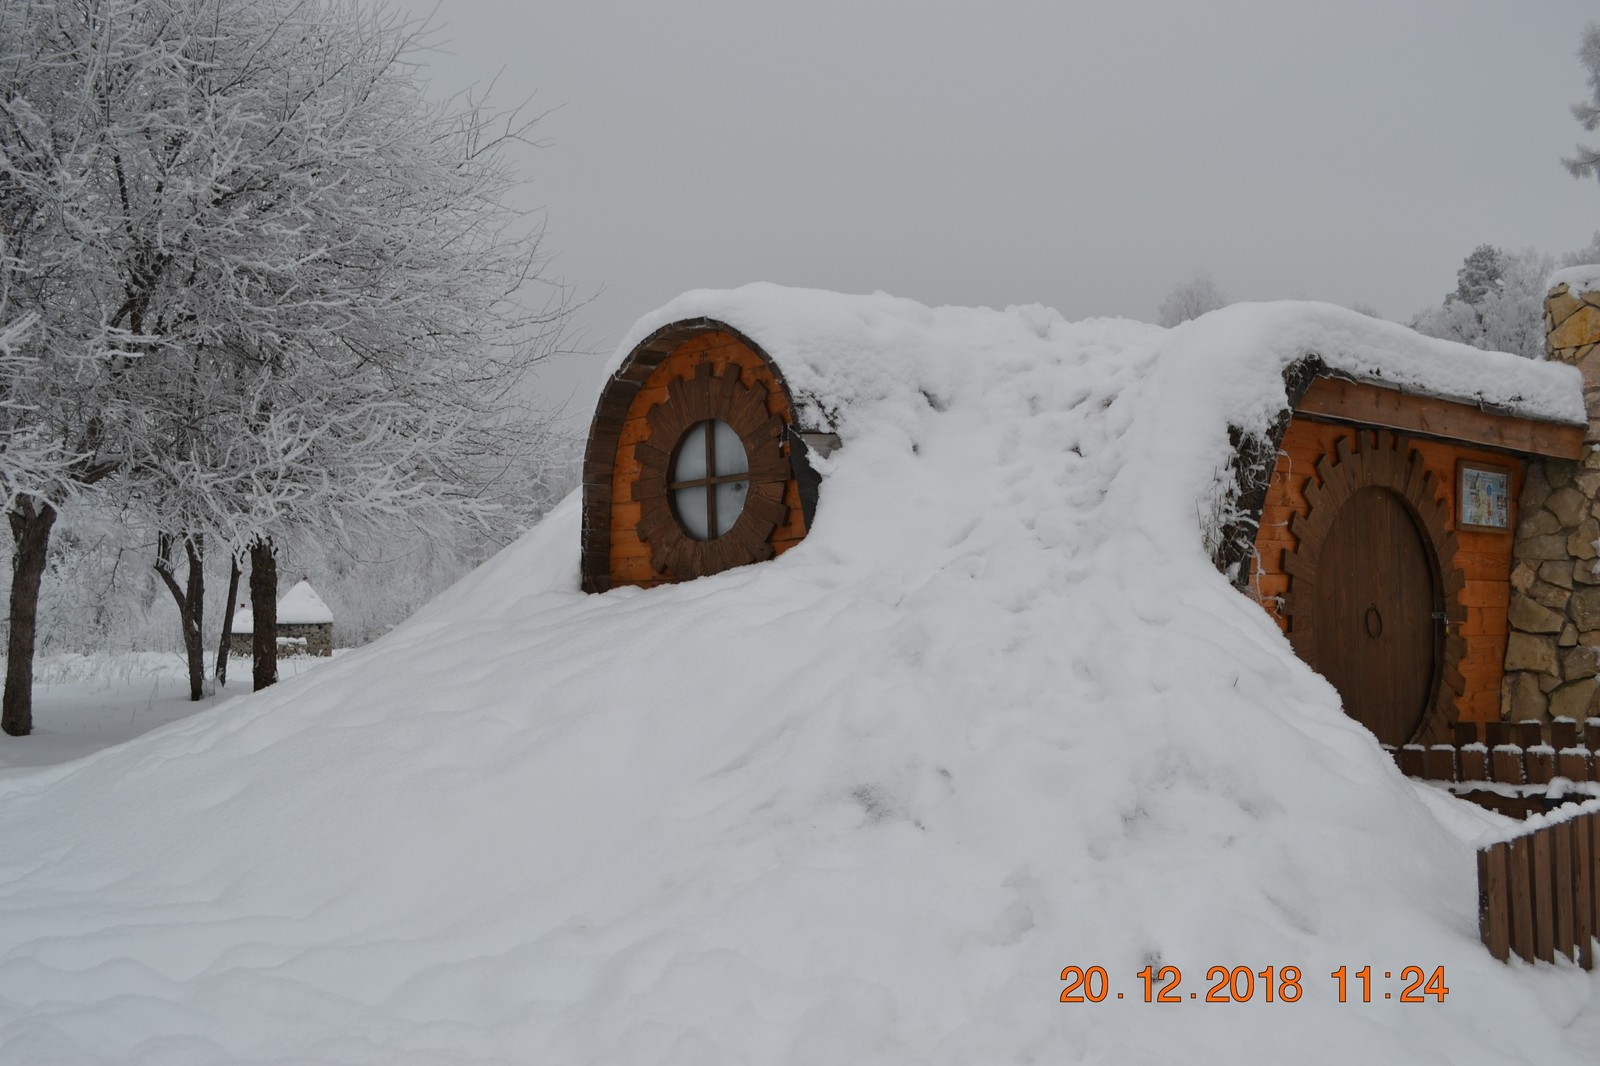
(1420,519)
(1400,537)
(1432,552)
(305,624)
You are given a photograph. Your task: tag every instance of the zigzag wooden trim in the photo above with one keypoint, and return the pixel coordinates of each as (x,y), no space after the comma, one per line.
(703,398)
(605,431)
(1375,460)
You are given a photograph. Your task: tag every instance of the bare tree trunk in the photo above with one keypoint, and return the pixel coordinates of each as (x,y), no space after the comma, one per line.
(264,613)
(31,520)
(191,601)
(227,621)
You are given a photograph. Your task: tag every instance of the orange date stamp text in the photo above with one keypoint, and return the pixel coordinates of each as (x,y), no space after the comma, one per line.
(1241,984)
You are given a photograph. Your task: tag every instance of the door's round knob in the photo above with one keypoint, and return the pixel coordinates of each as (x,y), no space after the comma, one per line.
(1374,622)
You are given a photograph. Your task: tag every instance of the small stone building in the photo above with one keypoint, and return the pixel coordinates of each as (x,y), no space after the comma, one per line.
(305,624)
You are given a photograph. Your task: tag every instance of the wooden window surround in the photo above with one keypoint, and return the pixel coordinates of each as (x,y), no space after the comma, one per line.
(685,373)
(709,398)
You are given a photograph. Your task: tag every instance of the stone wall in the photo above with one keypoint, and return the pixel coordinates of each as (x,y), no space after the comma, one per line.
(1554,612)
(292,640)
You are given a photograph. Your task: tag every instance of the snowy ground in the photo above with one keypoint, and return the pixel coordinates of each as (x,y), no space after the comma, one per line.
(83,703)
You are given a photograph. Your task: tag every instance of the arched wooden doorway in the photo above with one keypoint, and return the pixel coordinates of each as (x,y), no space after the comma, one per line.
(1376,618)
(1374,588)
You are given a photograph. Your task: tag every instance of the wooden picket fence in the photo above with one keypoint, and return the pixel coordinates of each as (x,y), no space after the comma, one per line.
(1539,894)
(1513,767)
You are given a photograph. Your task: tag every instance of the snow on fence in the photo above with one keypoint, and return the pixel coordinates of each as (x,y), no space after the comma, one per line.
(1539,893)
(1511,767)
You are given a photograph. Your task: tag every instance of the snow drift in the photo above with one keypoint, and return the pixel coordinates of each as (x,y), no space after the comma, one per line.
(996,716)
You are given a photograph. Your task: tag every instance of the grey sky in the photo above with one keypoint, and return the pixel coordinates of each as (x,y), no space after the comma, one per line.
(1085,156)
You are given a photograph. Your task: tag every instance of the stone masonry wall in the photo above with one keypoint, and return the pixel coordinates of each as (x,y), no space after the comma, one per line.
(318,640)
(1554,613)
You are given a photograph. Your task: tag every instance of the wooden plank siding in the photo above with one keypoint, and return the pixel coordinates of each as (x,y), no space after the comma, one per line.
(630,555)
(1484,558)
(1373,405)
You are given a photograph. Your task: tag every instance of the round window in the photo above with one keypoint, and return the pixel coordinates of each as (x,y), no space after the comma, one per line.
(709,480)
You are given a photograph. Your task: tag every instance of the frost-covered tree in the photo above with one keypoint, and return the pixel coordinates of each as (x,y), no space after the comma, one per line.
(1585,161)
(62,354)
(32,462)
(1190,299)
(274,288)
(1588,255)
(1480,274)
(1507,313)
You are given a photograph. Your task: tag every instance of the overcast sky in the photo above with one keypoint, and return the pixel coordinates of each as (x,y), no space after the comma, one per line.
(1088,156)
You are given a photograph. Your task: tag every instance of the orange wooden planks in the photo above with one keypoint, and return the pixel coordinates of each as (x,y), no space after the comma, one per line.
(1484,559)
(1374,405)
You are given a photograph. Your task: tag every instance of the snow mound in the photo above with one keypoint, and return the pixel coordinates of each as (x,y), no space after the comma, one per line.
(997,715)
(299,606)
(840,352)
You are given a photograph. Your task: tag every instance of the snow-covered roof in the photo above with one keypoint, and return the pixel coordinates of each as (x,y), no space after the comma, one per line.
(996,715)
(299,606)
(841,353)
(302,606)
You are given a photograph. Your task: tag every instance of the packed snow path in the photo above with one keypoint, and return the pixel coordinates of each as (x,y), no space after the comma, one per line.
(996,716)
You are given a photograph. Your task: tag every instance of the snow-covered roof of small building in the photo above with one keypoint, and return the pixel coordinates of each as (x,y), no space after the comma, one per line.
(299,606)
(302,606)
(840,352)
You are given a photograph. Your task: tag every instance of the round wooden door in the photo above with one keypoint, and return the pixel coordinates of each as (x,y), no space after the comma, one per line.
(1375,634)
